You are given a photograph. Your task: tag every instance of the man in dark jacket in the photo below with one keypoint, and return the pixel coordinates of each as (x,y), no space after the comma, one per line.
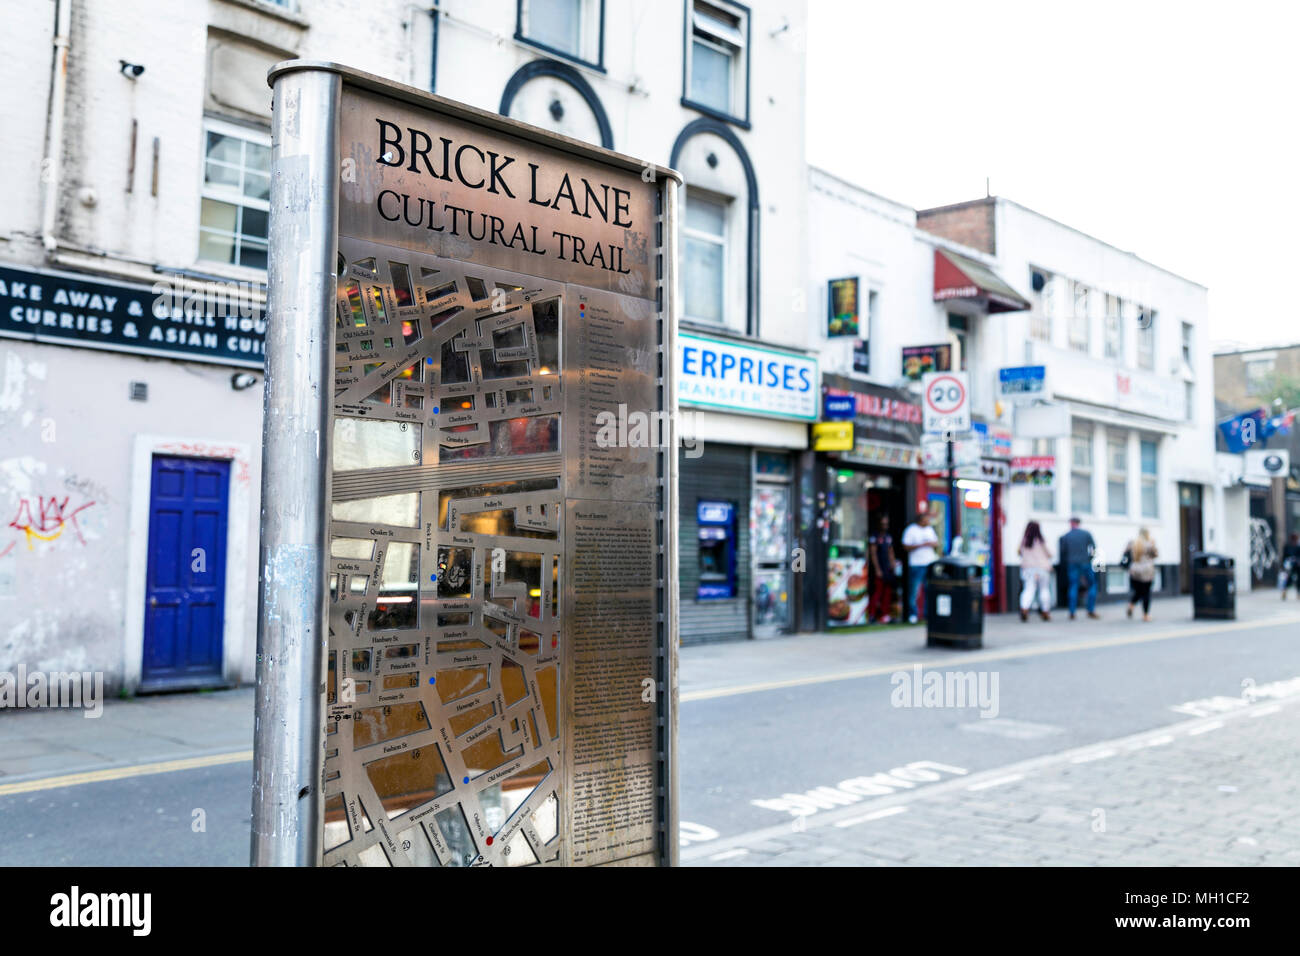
(1076,548)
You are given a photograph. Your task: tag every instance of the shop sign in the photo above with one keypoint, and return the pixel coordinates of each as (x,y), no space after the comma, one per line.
(1037,471)
(880,414)
(987,469)
(842,307)
(920,359)
(752,380)
(171,319)
(832,436)
(996,439)
(838,408)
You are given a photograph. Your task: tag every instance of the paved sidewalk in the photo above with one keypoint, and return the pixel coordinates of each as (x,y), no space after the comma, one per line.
(44,743)
(1216,791)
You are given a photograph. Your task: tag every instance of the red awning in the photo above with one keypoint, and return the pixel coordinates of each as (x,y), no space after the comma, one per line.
(957,277)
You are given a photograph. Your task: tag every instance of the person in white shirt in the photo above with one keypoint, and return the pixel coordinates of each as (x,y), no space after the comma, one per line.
(921,543)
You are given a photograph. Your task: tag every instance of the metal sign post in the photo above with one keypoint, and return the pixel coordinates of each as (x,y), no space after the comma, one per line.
(473,331)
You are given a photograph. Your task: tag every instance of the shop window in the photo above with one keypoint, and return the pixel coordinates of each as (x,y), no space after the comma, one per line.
(1117,474)
(573,29)
(1043,284)
(1258,374)
(236,195)
(1081,470)
(718,60)
(1080,319)
(1114,328)
(704,247)
(1044,499)
(1149,453)
(1146,338)
(1116,580)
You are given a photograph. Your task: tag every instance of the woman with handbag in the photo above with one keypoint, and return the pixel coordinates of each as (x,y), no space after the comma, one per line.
(1140,559)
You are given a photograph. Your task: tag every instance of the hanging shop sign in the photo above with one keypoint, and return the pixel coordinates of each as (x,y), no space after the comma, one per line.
(920,359)
(842,307)
(1037,471)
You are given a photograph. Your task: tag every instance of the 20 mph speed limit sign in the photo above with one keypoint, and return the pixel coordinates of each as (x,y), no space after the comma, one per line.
(947,401)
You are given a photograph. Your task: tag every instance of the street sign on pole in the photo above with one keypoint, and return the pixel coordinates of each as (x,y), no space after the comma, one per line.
(1023,383)
(468,619)
(946,402)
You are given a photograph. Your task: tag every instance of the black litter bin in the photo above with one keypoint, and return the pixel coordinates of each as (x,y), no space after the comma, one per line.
(1214,585)
(954,604)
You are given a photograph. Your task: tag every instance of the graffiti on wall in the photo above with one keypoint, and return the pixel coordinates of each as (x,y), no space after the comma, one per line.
(1263,555)
(45,518)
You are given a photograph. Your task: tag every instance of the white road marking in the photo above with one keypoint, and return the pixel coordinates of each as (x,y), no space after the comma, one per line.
(1266,710)
(996,782)
(1094,755)
(688,833)
(729,854)
(1205,729)
(1154,742)
(878,815)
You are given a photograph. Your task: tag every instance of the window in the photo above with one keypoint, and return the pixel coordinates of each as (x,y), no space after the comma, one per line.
(1040,319)
(704,245)
(1189,399)
(1187,345)
(1148,450)
(1117,474)
(959,337)
(1079,319)
(1081,470)
(873,311)
(718,71)
(1146,338)
(573,29)
(236,195)
(1043,499)
(1114,328)
(1258,373)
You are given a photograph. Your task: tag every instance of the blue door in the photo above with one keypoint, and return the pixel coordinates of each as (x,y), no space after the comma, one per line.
(185,593)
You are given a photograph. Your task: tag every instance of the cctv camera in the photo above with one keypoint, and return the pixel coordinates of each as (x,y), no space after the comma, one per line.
(131,71)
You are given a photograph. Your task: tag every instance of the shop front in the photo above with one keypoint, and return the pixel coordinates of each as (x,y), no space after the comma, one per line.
(868,453)
(975,500)
(745,410)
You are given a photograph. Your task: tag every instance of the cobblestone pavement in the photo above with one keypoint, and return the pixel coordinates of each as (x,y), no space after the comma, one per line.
(1216,791)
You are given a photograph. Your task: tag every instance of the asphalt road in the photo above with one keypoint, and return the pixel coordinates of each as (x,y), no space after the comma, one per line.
(734,750)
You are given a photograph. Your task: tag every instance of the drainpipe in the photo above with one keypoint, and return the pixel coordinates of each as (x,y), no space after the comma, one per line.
(58,96)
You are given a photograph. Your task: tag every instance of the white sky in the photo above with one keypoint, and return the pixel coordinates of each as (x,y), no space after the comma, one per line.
(1166,129)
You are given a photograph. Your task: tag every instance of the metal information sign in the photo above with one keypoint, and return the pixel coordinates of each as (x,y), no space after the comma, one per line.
(493,576)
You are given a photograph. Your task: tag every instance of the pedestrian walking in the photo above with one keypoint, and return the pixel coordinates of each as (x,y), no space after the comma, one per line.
(1035,572)
(920,542)
(884,574)
(1289,575)
(1076,549)
(1140,559)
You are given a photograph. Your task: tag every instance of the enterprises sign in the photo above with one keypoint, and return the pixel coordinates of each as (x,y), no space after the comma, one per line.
(717,373)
